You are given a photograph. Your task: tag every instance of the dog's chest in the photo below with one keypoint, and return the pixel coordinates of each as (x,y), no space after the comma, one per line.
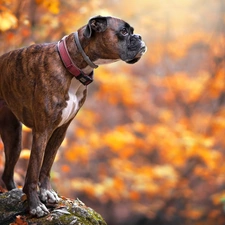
(76,95)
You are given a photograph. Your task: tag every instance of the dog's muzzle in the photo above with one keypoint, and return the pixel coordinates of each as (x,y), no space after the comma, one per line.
(140,53)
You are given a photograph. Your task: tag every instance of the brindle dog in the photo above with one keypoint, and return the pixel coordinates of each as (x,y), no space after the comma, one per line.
(35,89)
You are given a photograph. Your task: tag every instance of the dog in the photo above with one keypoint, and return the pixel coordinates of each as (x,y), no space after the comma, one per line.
(35,89)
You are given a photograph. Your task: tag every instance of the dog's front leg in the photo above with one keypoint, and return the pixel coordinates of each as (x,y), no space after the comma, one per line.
(36,208)
(47,194)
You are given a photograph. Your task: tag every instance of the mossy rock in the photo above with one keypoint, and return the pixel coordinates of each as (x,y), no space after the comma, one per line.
(13,209)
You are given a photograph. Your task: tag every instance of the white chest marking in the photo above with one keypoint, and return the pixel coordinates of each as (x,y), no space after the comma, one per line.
(75,95)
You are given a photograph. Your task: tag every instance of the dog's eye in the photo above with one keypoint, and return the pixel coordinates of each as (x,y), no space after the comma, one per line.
(124,31)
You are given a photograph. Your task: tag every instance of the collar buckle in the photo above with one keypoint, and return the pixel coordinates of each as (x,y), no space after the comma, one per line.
(84,79)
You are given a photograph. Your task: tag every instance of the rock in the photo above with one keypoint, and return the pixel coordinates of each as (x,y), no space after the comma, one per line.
(13,209)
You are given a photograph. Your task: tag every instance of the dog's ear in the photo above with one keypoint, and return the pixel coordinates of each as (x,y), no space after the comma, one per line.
(97,24)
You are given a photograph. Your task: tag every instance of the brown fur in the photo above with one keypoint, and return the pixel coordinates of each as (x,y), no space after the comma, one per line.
(34,89)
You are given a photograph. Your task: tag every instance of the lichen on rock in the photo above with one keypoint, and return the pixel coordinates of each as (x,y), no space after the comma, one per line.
(13,208)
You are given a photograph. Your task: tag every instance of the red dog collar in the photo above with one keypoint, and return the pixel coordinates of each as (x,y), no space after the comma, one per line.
(70,66)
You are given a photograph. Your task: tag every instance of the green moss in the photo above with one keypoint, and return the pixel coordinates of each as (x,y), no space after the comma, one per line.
(67,212)
(70,212)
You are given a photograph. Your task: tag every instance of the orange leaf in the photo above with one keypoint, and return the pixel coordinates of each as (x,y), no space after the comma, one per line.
(25,154)
(8,21)
(65,168)
(134,195)
(20,220)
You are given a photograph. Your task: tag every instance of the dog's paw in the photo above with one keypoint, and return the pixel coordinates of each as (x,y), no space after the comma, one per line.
(39,211)
(49,196)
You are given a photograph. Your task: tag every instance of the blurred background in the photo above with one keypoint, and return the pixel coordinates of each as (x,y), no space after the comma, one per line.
(147,148)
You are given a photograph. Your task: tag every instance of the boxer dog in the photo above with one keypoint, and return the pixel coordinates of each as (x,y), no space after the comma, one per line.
(35,89)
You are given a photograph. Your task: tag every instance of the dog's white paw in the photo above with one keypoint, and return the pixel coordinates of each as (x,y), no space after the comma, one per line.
(49,196)
(39,211)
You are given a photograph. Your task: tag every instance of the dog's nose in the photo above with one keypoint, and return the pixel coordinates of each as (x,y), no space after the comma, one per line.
(138,36)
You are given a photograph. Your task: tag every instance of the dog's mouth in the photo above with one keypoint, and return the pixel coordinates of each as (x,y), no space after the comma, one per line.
(140,53)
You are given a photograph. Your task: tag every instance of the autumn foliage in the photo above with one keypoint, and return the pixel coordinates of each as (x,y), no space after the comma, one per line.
(149,142)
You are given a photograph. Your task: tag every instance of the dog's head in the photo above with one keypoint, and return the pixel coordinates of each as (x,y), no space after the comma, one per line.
(114,39)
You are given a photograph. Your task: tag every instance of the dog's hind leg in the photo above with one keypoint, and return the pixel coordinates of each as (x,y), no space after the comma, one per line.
(10,131)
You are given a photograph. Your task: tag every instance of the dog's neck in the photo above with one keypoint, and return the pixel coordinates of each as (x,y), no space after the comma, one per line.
(76,56)
(89,51)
